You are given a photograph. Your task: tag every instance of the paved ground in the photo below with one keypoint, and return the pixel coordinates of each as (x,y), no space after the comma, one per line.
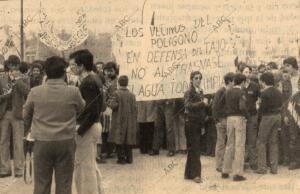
(161,174)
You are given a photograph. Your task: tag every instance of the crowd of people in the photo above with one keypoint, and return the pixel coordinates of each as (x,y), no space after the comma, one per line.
(80,113)
(256,116)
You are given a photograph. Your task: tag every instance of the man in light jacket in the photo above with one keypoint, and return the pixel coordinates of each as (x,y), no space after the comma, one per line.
(53,107)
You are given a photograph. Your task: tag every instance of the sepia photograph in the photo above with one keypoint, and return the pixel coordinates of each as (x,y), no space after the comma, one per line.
(149,96)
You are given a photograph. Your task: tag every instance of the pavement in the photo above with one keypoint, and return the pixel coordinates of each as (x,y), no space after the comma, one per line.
(162,174)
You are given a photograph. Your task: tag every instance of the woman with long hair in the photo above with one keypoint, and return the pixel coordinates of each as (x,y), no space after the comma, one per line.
(195,112)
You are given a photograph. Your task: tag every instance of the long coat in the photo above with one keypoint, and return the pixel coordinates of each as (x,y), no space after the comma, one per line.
(124,117)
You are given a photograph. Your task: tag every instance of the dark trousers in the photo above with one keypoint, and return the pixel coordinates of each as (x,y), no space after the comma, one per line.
(146,136)
(193,139)
(211,137)
(251,138)
(294,144)
(164,123)
(268,140)
(107,147)
(284,139)
(52,156)
(124,153)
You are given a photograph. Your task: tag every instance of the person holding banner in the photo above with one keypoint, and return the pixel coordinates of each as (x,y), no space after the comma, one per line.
(196,112)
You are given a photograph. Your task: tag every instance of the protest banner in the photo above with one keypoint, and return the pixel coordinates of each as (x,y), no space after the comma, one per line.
(159,55)
(49,34)
(160,49)
(9,28)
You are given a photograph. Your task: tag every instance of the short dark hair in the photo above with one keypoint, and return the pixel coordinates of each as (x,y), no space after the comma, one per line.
(243,67)
(23,67)
(12,61)
(261,66)
(37,65)
(83,57)
(239,78)
(292,61)
(123,80)
(267,78)
(229,77)
(110,65)
(253,77)
(194,73)
(55,67)
(272,65)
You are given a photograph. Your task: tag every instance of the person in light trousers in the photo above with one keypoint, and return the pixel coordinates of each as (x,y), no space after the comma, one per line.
(236,110)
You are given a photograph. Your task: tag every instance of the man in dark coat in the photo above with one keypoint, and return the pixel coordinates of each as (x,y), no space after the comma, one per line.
(124,121)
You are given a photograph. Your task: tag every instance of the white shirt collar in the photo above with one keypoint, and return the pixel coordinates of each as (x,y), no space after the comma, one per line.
(238,86)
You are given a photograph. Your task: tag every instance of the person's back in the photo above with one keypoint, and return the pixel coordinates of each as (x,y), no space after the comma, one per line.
(236,130)
(128,99)
(232,100)
(55,107)
(92,91)
(124,114)
(271,101)
(218,105)
(124,117)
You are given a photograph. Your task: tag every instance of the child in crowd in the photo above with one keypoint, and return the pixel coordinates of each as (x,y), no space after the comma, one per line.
(124,118)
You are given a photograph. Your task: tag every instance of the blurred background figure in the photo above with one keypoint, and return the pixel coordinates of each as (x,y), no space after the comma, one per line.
(110,71)
(36,74)
(261,69)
